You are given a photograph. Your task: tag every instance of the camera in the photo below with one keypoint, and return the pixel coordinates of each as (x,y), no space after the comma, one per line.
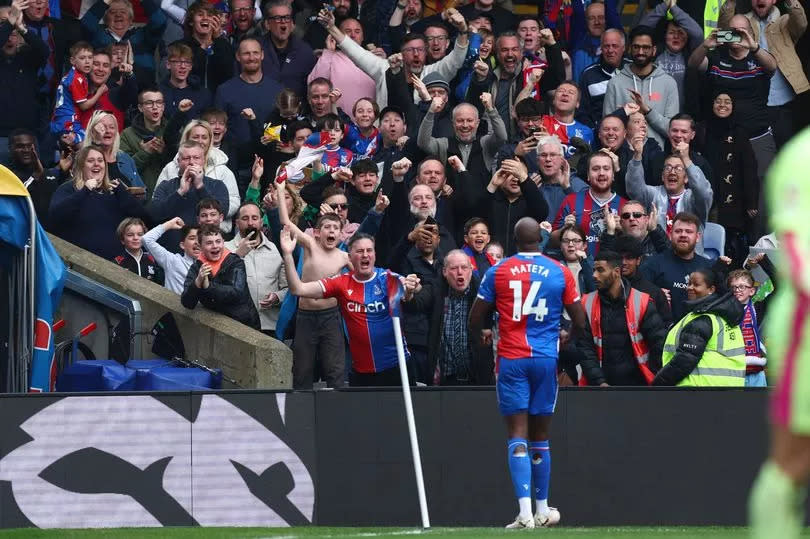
(728,36)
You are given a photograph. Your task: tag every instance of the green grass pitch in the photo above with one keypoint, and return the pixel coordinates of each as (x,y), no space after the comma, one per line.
(316,531)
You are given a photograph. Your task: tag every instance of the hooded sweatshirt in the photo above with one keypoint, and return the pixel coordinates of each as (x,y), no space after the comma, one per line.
(659,91)
(216,168)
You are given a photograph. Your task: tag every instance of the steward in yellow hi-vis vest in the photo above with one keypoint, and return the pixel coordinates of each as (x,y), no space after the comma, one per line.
(705,348)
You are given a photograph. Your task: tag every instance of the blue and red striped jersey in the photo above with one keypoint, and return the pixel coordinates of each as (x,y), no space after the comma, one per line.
(565,132)
(365,309)
(529,291)
(589,215)
(72,89)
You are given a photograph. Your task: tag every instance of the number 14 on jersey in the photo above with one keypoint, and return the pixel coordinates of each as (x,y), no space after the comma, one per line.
(522,308)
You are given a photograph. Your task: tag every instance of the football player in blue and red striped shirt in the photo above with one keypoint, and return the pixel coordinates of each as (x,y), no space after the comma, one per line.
(363,296)
(529,292)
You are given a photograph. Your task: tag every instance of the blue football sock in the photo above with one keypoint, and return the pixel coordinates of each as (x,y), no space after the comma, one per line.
(519,468)
(540,454)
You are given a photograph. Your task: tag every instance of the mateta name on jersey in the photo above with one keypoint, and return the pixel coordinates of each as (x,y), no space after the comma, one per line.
(529,268)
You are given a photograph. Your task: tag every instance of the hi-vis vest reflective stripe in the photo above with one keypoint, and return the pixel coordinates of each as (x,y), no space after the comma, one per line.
(723,360)
(711,12)
(634,309)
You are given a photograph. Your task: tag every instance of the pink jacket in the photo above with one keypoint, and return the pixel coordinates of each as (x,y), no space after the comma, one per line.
(345,76)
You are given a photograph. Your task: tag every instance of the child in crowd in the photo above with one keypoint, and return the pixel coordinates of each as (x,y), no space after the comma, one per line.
(175,265)
(334,156)
(476,242)
(72,95)
(130,233)
(495,250)
(360,136)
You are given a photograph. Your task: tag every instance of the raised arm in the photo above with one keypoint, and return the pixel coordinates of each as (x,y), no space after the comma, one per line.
(296,286)
(298,234)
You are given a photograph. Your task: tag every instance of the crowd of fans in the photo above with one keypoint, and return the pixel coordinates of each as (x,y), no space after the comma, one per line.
(192,143)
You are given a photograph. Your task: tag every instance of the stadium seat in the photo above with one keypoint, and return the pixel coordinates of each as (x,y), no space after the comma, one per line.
(714,241)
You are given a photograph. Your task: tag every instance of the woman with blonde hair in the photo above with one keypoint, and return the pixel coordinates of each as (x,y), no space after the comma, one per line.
(87,210)
(216,166)
(102,132)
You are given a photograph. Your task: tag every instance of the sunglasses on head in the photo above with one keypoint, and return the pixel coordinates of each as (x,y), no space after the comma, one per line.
(634,214)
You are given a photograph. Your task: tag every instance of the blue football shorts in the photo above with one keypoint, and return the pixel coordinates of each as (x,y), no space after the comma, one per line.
(527,385)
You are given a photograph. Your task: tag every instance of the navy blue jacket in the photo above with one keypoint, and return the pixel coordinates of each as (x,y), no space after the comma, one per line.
(293,72)
(167,203)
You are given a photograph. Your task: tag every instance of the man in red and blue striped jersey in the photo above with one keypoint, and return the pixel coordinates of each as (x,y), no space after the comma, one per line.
(368,298)
(529,291)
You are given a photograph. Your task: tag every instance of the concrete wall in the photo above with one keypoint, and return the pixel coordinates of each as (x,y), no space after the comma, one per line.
(253,359)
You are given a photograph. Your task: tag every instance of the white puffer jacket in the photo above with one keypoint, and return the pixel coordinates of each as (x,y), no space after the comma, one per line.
(216,169)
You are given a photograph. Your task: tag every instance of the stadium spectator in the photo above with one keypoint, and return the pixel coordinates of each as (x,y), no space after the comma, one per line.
(414,50)
(73,95)
(556,179)
(215,167)
(681,36)
(243,21)
(209,212)
(175,265)
(266,278)
(562,123)
(422,254)
(318,326)
(524,142)
(670,270)
(736,191)
(632,253)
(585,208)
(87,210)
(703,348)
(130,233)
(476,242)
(250,89)
(178,197)
(335,66)
(121,90)
(684,189)
(573,255)
(181,84)
(315,34)
(22,56)
(437,39)
(509,198)
(645,85)
(287,58)
(502,19)
(367,313)
(212,60)
(634,221)
(628,333)
(26,164)
(680,140)
(593,81)
(777,33)
(218,280)
(118,16)
(506,82)
(145,139)
(742,70)
(598,16)
(454,356)
(741,284)
(103,133)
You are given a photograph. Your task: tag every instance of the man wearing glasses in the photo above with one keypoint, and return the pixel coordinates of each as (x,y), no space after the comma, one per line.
(636,223)
(287,58)
(644,85)
(673,196)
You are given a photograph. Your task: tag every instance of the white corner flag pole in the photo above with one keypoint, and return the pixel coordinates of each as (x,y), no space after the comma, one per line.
(406,395)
